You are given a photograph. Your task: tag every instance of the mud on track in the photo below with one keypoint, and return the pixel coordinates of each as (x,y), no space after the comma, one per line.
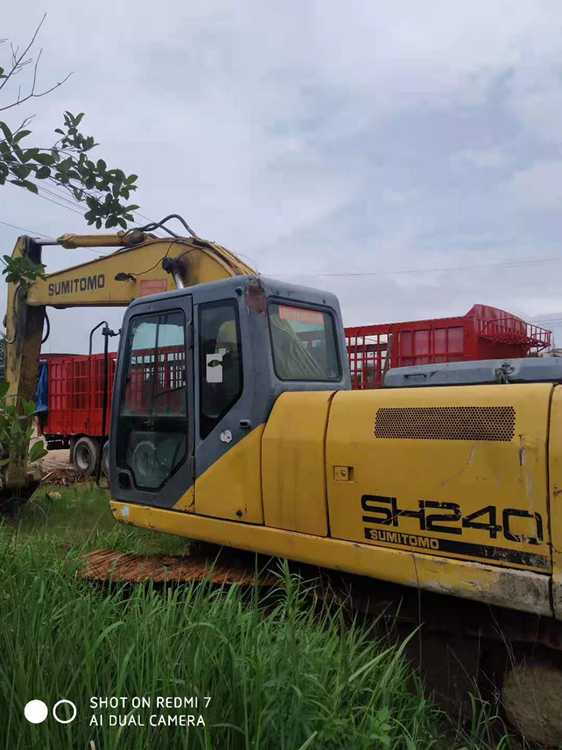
(105,565)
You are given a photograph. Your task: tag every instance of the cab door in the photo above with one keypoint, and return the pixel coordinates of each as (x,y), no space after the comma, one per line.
(229,412)
(152,426)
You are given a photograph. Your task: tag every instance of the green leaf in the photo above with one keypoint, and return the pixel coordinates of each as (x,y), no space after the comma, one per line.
(30,186)
(308,742)
(23,156)
(4,388)
(37,451)
(58,130)
(21,171)
(7,132)
(27,185)
(21,134)
(28,407)
(46,159)
(42,173)
(18,152)
(101,165)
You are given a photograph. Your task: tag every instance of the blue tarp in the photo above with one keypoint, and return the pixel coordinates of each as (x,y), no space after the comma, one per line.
(42,393)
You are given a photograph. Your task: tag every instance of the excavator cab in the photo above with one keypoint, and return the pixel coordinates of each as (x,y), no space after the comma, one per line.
(199,370)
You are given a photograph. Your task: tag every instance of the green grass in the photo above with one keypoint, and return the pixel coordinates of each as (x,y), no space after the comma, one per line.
(80,516)
(281,673)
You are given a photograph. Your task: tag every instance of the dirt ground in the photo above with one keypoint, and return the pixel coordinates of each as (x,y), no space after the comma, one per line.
(58,459)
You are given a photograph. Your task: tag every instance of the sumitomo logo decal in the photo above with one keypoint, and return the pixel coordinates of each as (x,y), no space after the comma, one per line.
(81,284)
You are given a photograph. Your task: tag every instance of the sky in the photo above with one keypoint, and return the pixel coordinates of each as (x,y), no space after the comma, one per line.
(406,156)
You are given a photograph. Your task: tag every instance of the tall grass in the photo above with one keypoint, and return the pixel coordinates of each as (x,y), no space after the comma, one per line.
(281,672)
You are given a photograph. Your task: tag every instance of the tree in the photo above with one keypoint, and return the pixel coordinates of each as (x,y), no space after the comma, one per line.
(67,162)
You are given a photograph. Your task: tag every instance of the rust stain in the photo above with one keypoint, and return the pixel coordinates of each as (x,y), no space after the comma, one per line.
(255,297)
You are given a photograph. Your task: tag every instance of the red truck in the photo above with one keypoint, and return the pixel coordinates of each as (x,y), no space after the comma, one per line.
(73,403)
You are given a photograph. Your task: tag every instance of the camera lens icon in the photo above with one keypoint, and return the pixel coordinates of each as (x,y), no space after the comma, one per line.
(36,711)
(62,703)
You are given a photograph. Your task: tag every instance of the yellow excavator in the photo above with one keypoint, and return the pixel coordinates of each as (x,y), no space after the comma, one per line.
(233,422)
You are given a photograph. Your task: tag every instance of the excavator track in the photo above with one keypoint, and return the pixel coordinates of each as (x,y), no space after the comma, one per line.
(444,614)
(119,567)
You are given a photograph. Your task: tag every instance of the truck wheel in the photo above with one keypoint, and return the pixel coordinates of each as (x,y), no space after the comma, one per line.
(105,459)
(86,452)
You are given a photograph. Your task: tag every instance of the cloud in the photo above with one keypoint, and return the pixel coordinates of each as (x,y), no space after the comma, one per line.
(321,139)
(537,188)
(482,159)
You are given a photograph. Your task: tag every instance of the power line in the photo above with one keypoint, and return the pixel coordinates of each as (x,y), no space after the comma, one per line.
(551,321)
(73,201)
(27,231)
(57,194)
(63,195)
(419,271)
(40,195)
(60,204)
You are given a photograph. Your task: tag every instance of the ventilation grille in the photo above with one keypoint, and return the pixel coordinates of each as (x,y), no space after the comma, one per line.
(446,423)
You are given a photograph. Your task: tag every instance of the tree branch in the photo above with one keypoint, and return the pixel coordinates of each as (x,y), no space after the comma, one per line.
(32,95)
(17,62)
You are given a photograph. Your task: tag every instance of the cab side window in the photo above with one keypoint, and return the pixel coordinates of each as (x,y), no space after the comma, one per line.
(220,362)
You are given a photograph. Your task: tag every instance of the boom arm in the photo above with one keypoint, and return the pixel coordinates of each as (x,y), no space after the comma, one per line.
(141,265)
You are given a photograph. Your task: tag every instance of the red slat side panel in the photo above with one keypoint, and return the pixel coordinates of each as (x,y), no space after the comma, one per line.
(75,401)
(483,333)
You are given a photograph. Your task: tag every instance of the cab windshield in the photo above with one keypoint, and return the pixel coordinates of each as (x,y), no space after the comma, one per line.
(153,419)
(304,343)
